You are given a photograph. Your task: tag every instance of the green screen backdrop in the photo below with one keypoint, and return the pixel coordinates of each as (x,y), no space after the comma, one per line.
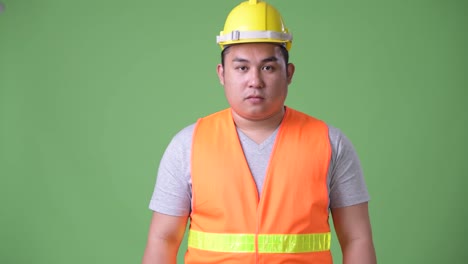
(91,92)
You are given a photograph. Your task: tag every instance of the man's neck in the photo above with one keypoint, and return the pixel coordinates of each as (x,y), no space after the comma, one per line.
(258,130)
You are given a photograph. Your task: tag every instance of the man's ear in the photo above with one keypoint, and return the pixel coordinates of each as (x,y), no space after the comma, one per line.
(220,71)
(290,71)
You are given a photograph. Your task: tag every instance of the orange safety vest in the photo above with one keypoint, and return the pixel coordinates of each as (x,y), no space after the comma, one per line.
(230,223)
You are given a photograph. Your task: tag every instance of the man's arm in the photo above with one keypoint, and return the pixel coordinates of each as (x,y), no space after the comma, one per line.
(354,232)
(165,234)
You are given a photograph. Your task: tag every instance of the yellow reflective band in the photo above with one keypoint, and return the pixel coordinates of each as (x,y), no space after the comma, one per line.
(245,243)
(300,243)
(236,243)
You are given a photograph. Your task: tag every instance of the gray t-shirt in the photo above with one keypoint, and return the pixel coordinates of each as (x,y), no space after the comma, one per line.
(173,191)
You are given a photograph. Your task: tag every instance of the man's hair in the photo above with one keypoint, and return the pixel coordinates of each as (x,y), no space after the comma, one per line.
(284,51)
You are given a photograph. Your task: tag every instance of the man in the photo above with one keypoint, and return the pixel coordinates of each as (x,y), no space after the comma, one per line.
(258,180)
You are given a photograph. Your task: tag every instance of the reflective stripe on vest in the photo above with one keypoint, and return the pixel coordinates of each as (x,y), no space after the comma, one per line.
(245,243)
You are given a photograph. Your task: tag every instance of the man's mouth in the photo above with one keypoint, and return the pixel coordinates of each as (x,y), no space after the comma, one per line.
(254,98)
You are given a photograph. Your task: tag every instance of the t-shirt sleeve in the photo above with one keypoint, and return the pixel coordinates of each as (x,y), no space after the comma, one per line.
(347,185)
(172,193)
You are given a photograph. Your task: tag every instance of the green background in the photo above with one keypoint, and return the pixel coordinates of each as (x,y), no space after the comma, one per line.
(91,92)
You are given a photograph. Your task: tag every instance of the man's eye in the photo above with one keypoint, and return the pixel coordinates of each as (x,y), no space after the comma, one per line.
(242,68)
(267,68)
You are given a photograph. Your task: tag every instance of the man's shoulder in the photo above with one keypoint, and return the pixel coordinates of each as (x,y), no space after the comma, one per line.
(335,135)
(184,136)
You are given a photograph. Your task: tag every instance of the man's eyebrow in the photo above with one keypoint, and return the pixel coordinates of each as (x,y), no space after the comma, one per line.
(237,59)
(269,59)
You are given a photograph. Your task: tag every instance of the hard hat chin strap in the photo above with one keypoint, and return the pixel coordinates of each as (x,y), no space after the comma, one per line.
(241,35)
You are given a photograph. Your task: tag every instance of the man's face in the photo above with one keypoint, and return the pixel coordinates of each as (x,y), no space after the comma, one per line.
(255,79)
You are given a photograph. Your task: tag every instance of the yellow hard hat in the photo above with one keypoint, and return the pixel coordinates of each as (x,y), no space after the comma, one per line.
(254,21)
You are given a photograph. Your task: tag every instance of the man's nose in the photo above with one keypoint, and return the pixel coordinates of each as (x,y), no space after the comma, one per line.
(255,79)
